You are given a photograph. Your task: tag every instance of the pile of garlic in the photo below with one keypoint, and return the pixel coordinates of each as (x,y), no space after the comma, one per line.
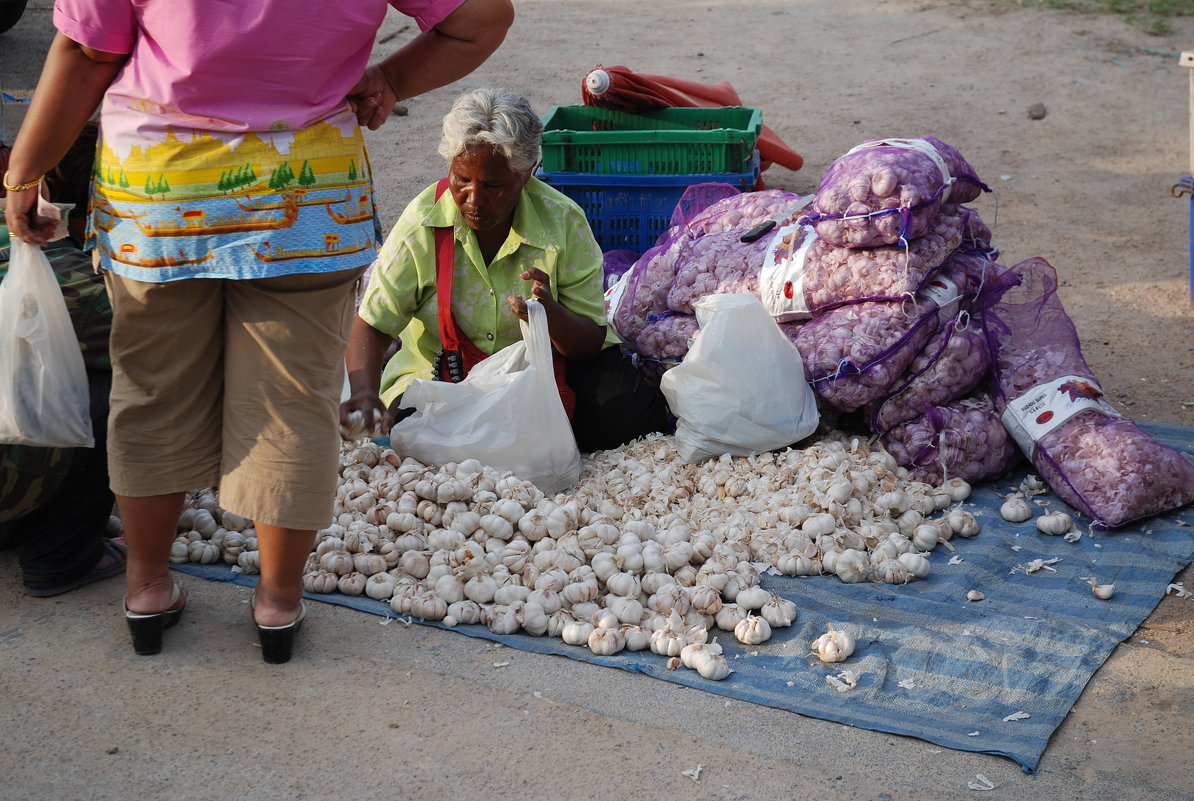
(644,552)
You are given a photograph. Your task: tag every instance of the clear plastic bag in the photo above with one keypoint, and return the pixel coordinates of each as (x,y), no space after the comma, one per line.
(741,387)
(44,399)
(506,413)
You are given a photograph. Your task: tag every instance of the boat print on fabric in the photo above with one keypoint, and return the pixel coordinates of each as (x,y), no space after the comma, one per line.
(195,222)
(331,248)
(363,213)
(127,255)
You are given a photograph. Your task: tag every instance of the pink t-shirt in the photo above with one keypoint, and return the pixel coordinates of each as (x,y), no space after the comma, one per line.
(230,65)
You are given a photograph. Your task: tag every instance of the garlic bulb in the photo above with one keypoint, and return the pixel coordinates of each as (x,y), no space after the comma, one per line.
(379,587)
(637,638)
(1015,510)
(752,630)
(322,581)
(852,566)
(464,612)
(577,632)
(752,598)
(958,489)
(778,612)
(834,645)
(962,522)
(606,642)
(1054,523)
(352,583)
(975,595)
(729,616)
(917,566)
(1102,591)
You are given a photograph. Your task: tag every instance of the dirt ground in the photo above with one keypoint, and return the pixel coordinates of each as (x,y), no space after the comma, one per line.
(420,713)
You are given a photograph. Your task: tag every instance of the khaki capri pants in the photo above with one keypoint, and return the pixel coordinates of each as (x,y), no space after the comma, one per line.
(231,383)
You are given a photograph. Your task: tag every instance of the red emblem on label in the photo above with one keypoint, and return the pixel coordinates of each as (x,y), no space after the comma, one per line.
(1043,418)
(788,290)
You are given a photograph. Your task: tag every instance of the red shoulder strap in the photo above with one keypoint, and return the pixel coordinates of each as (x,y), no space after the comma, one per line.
(449,331)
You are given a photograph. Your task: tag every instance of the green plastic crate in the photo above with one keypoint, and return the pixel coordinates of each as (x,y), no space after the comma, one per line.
(667,141)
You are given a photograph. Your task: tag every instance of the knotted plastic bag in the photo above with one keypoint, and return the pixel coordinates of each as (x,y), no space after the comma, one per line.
(44,398)
(506,413)
(741,387)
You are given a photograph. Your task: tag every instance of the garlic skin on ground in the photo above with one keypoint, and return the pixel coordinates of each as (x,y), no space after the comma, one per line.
(1054,524)
(834,645)
(1015,510)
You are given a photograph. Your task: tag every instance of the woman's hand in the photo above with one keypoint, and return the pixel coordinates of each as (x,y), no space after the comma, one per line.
(573,336)
(540,290)
(364,414)
(23,220)
(373,98)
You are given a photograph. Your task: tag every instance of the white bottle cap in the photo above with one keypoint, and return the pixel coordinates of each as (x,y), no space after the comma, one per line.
(597,82)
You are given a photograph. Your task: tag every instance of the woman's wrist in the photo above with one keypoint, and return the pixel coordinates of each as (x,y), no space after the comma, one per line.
(20,186)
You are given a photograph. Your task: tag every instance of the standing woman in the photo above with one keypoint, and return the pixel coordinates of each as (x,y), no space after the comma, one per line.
(233,210)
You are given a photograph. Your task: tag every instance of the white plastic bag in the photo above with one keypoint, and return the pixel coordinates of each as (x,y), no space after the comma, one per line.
(741,388)
(44,398)
(506,414)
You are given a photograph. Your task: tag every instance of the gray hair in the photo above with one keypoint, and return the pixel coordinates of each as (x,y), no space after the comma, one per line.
(498,118)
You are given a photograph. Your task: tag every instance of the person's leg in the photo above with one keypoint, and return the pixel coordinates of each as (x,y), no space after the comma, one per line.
(615,403)
(164,424)
(64,544)
(283,376)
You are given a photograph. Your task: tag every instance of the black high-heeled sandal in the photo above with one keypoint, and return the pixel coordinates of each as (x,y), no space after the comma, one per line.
(277,642)
(146,630)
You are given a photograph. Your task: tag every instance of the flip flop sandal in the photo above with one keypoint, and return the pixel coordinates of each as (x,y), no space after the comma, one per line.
(119,556)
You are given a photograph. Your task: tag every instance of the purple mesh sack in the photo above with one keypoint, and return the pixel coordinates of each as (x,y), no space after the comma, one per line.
(964,439)
(703,209)
(1097,462)
(742,210)
(644,292)
(667,338)
(835,275)
(715,264)
(854,353)
(954,362)
(888,191)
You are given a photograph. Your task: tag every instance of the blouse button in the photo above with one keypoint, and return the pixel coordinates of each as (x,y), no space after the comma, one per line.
(489,337)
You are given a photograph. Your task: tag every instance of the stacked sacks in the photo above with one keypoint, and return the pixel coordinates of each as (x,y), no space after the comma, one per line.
(887,317)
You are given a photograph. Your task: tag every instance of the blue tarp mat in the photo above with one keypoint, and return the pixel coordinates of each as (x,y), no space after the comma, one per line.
(932,664)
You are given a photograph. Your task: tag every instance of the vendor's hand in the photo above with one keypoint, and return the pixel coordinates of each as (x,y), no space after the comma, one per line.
(20,212)
(363,414)
(372,99)
(541,290)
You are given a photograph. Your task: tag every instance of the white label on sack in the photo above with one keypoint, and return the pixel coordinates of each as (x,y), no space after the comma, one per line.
(920,146)
(1043,408)
(781,278)
(942,291)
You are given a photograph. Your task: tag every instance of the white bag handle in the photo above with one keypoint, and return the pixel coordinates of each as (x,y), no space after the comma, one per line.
(538,341)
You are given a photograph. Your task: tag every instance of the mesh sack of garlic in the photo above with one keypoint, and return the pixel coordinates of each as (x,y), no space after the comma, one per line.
(887,191)
(964,439)
(836,275)
(958,357)
(715,264)
(853,354)
(1095,460)
(667,337)
(701,211)
(643,290)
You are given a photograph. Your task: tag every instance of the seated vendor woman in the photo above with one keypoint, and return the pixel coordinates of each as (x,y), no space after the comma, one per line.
(453,277)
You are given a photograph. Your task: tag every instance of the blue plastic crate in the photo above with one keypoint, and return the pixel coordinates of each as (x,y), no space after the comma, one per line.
(631,211)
